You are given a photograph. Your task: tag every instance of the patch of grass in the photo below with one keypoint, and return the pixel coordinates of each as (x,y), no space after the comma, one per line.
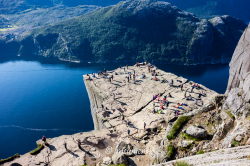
(37,150)
(229,113)
(235,143)
(170,151)
(178,124)
(200,152)
(181,163)
(2,161)
(189,137)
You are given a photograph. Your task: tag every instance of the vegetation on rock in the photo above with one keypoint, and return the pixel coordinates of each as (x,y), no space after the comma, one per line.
(177,126)
(181,163)
(170,151)
(235,143)
(229,113)
(189,137)
(37,150)
(200,152)
(2,161)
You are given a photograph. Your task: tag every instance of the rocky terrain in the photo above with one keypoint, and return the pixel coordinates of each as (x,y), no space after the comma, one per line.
(136,125)
(127,118)
(147,30)
(238,156)
(237,104)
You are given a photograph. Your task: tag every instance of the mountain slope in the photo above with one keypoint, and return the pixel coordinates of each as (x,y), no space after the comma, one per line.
(15,6)
(25,21)
(146,30)
(208,8)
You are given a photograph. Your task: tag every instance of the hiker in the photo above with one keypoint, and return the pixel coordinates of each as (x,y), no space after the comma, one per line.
(179,107)
(144,126)
(177,113)
(172,82)
(182,104)
(155,78)
(127,78)
(169,95)
(128,132)
(155,97)
(158,98)
(149,69)
(181,87)
(167,103)
(143,76)
(44,139)
(161,106)
(112,77)
(153,107)
(88,77)
(189,98)
(130,76)
(164,100)
(192,90)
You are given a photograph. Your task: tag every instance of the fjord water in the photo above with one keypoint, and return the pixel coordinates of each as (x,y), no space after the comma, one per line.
(50,99)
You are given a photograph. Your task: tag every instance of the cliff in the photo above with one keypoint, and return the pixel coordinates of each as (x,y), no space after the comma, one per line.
(145,116)
(238,85)
(131,31)
(234,132)
(131,125)
(137,125)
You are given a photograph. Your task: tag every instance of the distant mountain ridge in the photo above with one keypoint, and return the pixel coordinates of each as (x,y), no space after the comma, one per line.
(153,31)
(14,6)
(208,8)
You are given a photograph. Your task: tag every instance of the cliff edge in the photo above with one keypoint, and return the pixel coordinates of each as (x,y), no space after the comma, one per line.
(236,104)
(146,116)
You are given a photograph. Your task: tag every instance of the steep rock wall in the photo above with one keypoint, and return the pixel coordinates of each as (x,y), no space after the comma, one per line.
(238,89)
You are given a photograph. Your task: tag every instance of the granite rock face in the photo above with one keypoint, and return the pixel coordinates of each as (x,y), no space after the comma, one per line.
(238,89)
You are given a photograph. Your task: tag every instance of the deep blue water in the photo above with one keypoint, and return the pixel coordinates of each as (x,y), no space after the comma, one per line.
(51,100)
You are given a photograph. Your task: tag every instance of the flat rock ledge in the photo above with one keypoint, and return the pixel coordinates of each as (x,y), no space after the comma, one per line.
(131,107)
(238,156)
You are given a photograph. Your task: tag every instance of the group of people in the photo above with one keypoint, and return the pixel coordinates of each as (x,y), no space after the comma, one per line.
(164,104)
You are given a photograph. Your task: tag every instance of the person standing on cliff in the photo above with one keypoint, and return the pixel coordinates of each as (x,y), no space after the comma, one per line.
(127,78)
(44,139)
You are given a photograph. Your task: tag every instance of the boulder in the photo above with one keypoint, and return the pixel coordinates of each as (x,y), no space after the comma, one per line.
(119,158)
(196,131)
(185,143)
(106,161)
(125,148)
